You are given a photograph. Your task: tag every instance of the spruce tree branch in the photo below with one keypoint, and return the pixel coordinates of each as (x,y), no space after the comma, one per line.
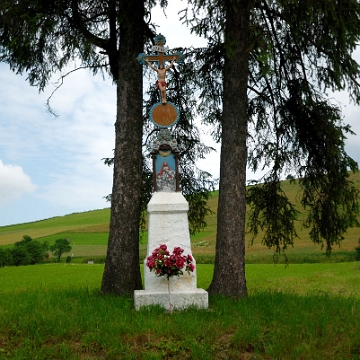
(61,79)
(147,138)
(148,33)
(273,102)
(310,40)
(277,43)
(261,94)
(272,35)
(354,80)
(112,50)
(79,25)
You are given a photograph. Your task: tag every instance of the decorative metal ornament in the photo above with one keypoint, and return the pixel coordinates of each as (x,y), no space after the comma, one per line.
(164,115)
(165,153)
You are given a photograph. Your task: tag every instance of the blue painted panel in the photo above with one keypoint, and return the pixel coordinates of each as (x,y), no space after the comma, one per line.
(170,160)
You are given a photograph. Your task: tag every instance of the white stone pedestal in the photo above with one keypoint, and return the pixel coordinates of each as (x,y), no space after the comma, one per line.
(168,224)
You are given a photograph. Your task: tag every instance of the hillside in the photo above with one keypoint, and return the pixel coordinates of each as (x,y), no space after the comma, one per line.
(88,232)
(95,221)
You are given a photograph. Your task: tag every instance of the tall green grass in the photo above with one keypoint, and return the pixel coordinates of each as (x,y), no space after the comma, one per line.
(302,279)
(291,312)
(300,311)
(77,324)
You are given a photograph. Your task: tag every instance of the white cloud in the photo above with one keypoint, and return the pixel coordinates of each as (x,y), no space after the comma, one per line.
(79,191)
(13,183)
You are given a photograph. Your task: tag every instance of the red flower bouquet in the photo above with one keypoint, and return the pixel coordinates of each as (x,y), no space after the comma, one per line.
(164,263)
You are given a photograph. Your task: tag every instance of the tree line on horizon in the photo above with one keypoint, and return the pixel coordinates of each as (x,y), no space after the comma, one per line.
(30,252)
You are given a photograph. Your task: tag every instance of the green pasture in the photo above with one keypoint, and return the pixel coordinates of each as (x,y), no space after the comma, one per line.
(307,311)
(88,233)
(95,221)
(301,279)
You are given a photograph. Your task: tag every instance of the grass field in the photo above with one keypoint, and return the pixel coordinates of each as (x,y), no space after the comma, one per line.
(307,310)
(55,311)
(88,232)
(301,279)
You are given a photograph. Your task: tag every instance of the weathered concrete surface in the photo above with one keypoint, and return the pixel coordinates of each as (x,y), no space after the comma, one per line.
(168,224)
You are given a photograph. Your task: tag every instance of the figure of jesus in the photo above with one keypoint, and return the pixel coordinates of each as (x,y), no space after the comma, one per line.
(161,83)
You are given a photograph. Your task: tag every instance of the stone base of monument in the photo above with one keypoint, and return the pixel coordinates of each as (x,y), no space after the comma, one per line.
(179,300)
(168,224)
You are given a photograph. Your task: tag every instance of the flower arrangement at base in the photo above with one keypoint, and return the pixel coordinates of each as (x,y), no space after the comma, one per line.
(165,264)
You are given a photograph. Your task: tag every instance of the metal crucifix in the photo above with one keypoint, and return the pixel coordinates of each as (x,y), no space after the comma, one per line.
(165,153)
(160,57)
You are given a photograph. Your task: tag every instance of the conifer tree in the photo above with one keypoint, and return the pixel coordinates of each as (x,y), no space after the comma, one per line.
(265,75)
(42,38)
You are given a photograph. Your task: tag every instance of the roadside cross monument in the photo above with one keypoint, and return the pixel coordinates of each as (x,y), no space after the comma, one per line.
(168,209)
(163,113)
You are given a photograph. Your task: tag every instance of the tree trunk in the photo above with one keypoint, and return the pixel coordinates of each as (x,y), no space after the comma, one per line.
(122,271)
(229,273)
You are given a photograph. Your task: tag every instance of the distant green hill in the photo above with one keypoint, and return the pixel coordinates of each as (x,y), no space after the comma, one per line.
(95,221)
(88,232)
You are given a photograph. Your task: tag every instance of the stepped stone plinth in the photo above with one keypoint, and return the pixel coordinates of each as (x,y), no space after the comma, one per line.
(168,224)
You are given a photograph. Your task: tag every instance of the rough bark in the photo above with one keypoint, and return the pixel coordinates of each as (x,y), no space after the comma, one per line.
(122,272)
(229,273)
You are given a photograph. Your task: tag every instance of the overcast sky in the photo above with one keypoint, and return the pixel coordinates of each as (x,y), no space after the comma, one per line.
(51,166)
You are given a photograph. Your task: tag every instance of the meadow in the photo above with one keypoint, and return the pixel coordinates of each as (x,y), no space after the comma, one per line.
(303,311)
(88,233)
(308,309)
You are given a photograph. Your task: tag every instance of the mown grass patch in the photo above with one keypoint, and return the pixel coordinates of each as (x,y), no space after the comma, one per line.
(78,238)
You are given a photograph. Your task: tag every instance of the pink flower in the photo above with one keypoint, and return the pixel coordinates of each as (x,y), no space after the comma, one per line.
(178,251)
(165,264)
(192,267)
(180,263)
(150,263)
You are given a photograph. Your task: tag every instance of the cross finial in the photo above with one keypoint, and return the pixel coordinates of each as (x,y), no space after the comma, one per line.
(160,48)
(160,40)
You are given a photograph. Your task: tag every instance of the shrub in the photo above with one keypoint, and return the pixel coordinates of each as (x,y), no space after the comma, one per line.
(36,251)
(5,257)
(60,247)
(26,251)
(25,240)
(357,249)
(20,256)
